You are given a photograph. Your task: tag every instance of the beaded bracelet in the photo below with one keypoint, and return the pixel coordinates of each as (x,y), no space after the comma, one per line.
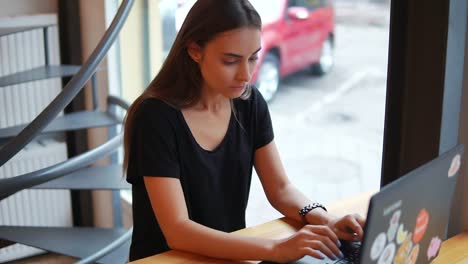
(309,208)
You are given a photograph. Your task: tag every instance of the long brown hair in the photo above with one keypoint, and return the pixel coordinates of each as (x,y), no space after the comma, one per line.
(179,80)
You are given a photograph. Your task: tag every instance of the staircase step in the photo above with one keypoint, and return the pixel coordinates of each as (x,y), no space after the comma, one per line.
(39,73)
(78,242)
(12,30)
(68,122)
(119,255)
(93,178)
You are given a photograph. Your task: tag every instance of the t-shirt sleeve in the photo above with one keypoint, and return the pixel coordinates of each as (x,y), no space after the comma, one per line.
(155,138)
(264,129)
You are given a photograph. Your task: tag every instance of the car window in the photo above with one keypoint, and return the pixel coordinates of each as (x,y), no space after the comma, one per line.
(310,4)
(292,3)
(326,2)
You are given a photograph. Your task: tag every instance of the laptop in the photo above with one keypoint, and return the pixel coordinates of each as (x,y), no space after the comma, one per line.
(407,219)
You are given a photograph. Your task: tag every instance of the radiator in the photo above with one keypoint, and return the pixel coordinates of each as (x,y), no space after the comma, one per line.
(20,104)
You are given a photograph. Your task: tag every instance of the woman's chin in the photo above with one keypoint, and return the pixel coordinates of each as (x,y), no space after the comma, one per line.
(236,93)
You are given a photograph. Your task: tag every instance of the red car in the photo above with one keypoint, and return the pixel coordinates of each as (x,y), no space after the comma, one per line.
(296,34)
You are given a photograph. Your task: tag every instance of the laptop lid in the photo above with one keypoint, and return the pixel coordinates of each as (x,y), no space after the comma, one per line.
(407,219)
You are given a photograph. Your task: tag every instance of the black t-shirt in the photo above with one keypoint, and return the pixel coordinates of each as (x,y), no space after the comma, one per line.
(215,183)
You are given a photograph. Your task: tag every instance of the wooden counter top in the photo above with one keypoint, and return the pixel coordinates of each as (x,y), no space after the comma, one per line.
(454,250)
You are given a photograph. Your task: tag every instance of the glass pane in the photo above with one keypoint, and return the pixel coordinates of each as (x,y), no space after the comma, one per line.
(328,108)
(268,10)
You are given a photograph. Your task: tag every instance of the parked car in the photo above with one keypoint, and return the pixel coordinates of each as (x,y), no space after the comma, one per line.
(296,34)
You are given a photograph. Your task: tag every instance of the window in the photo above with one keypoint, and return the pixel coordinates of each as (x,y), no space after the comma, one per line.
(328,107)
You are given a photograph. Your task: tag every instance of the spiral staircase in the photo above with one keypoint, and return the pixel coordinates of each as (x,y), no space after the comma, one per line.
(87,244)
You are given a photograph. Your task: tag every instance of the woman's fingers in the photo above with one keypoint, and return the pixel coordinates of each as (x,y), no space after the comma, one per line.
(322,247)
(322,241)
(347,235)
(350,227)
(360,220)
(325,240)
(312,252)
(357,224)
(324,231)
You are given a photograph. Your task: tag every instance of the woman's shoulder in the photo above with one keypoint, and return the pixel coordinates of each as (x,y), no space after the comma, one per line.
(155,109)
(254,100)
(155,103)
(250,110)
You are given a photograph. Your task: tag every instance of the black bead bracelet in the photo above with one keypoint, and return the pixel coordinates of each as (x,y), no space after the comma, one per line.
(309,208)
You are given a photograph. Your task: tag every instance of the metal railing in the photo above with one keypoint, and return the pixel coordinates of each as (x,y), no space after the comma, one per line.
(69,92)
(10,186)
(108,249)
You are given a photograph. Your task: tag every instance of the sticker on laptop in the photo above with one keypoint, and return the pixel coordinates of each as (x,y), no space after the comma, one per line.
(393,227)
(393,207)
(413,255)
(434,247)
(403,251)
(454,166)
(387,254)
(421,226)
(378,246)
(402,234)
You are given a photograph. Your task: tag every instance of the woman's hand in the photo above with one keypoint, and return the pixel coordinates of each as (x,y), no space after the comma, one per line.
(349,227)
(313,240)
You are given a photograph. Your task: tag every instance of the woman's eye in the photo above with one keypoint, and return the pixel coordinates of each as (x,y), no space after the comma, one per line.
(229,62)
(253,59)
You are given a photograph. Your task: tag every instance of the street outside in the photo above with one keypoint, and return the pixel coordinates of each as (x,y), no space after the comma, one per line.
(329,130)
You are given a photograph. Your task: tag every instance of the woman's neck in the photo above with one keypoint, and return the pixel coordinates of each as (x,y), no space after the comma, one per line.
(212,102)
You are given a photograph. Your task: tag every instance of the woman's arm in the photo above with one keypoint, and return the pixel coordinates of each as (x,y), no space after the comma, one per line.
(287,199)
(167,201)
(281,193)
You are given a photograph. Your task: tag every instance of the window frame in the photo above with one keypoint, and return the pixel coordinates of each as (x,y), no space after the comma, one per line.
(424,84)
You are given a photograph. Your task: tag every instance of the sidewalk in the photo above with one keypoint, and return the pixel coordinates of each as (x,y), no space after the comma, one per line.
(341,165)
(364,12)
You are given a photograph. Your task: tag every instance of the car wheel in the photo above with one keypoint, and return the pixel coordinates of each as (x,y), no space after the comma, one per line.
(268,80)
(327,59)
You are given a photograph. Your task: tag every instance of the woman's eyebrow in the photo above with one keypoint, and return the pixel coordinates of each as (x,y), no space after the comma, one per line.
(237,55)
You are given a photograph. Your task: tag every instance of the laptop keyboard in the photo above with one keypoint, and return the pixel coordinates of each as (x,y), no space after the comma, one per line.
(350,251)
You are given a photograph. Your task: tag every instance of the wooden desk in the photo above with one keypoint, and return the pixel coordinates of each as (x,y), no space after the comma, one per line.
(454,250)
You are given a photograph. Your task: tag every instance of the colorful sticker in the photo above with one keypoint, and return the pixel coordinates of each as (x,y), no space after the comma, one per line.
(396,205)
(403,251)
(421,226)
(402,234)
(378,246)
(434,247)
(454,166)
(414,255)
(392,230)
(387,254)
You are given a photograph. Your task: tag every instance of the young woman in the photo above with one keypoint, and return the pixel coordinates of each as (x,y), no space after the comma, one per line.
(192,139)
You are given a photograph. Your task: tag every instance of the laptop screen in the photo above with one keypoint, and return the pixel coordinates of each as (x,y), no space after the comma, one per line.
(407,219)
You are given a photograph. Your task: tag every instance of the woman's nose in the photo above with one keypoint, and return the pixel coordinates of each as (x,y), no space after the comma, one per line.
(244,73)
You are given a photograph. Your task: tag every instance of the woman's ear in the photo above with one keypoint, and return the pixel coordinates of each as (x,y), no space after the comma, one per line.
(194,51)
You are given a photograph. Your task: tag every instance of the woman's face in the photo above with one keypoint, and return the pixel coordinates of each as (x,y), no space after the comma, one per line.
(228,61)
